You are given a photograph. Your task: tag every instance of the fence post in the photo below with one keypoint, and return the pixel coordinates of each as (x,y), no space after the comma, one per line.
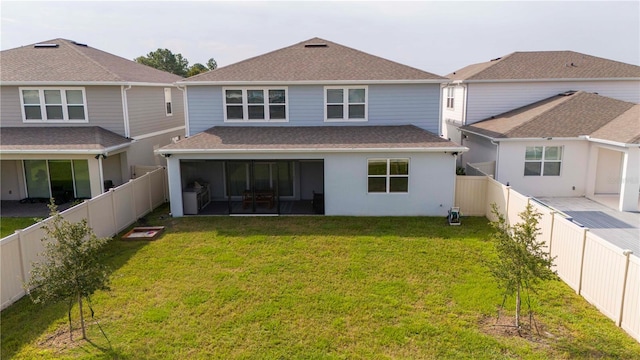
(23,270)
(584,246)
(87,204)
(112,193)
(148,175)
(626,253)
(133,197)
(506,210)
(553,220)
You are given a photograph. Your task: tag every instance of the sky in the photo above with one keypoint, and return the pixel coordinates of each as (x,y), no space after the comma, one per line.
(435,36)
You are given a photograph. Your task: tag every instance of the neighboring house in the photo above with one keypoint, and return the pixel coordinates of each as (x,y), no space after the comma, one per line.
(571,144)
(76,119)
(482,90)
(313,124)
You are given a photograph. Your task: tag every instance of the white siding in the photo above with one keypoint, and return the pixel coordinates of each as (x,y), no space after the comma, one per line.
(489,99)
(573,172)
(452,118)
(480,150)
(10,106)
(608,171)
(147,112)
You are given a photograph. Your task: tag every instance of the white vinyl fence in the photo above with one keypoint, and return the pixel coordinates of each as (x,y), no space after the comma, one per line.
(107,214)
(605,275)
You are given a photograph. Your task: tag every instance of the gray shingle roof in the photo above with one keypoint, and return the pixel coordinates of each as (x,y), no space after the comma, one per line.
(311,61)
(539,65)
(72,62)
(572,114)
(311,138)
(90,139)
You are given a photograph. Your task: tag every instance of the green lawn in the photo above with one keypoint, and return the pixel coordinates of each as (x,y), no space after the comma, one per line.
(310,288)
(9,225)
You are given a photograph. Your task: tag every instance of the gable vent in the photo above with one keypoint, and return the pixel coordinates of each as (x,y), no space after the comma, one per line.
(316,45)
(496,59)
(45,46)
(79,44)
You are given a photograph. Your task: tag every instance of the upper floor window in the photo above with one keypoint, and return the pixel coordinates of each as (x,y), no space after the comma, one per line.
(345,103)
(450,97)
(388,175)
(53,104)
(255,104)
(543,161)
(167,102)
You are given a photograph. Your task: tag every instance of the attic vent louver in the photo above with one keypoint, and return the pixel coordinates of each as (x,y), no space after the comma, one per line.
(45,46)
(316,45)
(79,44)
(496,59)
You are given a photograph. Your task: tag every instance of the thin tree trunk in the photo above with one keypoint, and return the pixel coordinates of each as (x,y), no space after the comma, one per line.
(69,314)
(518,307)
(84,334)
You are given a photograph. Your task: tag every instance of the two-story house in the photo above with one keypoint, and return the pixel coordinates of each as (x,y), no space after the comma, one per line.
(75,119)
(479,91)
(313,127)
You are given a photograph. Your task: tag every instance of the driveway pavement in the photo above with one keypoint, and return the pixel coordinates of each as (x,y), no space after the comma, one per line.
(620,228)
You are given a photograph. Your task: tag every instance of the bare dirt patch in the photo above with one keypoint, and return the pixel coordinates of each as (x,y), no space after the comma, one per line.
(59,341)
(504,326)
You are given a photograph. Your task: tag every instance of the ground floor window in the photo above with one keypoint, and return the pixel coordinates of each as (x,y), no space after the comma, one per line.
(543,161)
(60,179)
(388,175)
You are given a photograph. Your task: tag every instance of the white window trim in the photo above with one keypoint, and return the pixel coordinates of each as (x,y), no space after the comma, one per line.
(245,104)
(43,111)
(542,160)
(167,100)
(388,176)
(345,103)
(450,97)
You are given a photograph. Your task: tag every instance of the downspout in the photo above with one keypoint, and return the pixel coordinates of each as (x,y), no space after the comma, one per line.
(125,110)
(185,111)
(440,118)
(101,174)
(465,89)
(497,144)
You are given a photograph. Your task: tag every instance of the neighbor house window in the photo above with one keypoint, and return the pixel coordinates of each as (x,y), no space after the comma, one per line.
(255,104)
(167,102)
(345,103)
(450,97)
(543,161)
(388,175)
(53,104)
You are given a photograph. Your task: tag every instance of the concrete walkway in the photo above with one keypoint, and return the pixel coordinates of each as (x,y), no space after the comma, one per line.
(28,209)
(620,228)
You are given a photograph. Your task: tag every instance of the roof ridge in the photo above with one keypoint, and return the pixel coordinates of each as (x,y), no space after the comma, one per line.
(495,61)
(68,43)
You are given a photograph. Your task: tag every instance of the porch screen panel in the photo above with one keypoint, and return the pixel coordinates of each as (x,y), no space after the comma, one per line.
(81,175)
(237,178)
(285,178)
(262,176)
(60,175)
(37,178)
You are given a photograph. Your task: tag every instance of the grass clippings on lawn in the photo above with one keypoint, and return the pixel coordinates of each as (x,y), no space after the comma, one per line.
(311,287)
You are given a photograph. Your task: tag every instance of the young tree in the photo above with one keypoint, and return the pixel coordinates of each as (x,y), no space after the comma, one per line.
(164,59)
(72,268)
(196,69)
(522,261)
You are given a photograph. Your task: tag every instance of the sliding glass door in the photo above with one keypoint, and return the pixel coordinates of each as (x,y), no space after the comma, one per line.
(60,179)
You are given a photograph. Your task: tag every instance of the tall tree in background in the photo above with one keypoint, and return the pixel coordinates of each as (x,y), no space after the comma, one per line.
(72,269)
(164,59)
(196,69)
(212,64)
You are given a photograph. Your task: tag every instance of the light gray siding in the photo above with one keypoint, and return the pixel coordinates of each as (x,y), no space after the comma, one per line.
(205,108)
(10,106)
(104,108)
(417,104)
(147,112)
(489,99)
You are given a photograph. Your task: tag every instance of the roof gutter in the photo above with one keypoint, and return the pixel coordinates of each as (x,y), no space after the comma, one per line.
(452,149)
(497,139)
(84,83)
(541,80)
(311,82)
(105,151)
(610,142)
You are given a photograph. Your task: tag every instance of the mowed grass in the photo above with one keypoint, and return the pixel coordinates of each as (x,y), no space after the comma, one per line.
(9,225)
(310,288)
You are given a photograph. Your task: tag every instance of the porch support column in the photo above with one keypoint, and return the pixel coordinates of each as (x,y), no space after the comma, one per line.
(592,170)
(175,186)
(630,180)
